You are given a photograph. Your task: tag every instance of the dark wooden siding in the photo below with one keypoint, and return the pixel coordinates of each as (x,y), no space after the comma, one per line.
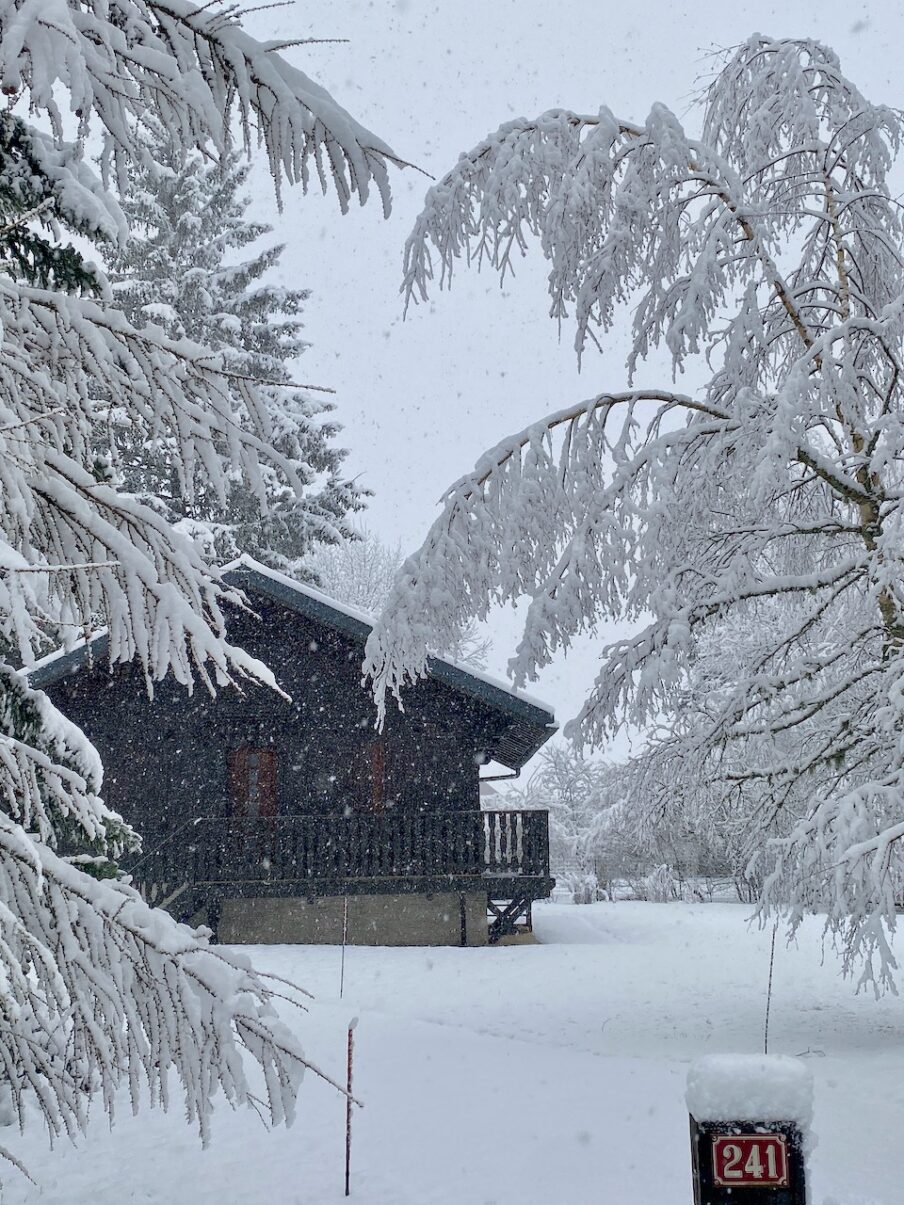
(167,758)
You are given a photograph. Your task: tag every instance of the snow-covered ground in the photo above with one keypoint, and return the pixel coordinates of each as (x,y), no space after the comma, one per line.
(548,1074)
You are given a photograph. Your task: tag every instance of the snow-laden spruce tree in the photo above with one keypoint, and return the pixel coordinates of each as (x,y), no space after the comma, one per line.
(96,989)
(183,269)
(752,527)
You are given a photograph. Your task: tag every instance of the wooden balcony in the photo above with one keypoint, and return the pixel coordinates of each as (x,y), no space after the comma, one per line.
(505,853)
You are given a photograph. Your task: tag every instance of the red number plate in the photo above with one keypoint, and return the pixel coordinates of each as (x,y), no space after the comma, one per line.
(750,1160)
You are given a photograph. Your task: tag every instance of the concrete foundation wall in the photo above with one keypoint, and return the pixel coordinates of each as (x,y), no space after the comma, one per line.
(373,920)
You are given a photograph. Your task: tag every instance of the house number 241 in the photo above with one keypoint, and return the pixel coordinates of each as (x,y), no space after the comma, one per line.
(750,1160)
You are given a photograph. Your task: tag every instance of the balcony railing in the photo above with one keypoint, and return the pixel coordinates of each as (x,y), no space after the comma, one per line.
(359,847)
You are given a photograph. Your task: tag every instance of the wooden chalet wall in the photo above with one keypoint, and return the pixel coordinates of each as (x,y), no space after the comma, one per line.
(167,758)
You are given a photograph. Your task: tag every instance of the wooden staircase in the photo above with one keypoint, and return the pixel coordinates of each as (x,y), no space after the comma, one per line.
(508,917)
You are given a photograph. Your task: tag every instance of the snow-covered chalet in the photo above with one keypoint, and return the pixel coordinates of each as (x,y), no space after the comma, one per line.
(278,819)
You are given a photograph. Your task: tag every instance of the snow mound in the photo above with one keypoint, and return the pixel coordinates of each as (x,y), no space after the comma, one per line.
(750,1087)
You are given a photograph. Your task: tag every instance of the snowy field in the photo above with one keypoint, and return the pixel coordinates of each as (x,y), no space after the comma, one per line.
(548,1074)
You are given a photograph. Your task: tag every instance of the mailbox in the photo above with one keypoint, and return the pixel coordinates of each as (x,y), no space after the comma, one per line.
(749,1124)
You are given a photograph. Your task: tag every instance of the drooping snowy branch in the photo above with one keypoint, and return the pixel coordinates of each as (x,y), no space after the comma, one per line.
(753,531)
(57,354)
(98,990)
(193,66)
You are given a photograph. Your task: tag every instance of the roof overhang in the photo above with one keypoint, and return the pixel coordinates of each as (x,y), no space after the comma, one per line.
(526,722)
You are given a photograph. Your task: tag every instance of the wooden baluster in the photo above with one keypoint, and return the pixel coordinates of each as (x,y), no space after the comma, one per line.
(407,842)
(363,849)
(281,857)
(540,858)
(317,847)
(292,843)
(453,865)
(430,843)
(475,852)
(324,849)
(447,843)
(422,836)
(271,847)
(303,848)
(349,861)
(417,846)
(367,861)
(469,836)
(528,841)
(440,843)
(373,827)
(340,829)
(462,823)
(388,847)
(376,845)
(543,843)
(353,838)
(398,865)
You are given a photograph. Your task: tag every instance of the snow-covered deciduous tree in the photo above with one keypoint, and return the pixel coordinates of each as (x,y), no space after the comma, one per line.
(98,990)
(610,836)
(574,789)
(360,572)
(182,269)
(752,527)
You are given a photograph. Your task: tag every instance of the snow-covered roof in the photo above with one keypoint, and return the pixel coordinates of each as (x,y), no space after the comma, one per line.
(367,620)
(532,720)
(80,651)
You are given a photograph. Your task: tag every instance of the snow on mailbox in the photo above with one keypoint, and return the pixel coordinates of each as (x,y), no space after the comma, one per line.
(750,1129)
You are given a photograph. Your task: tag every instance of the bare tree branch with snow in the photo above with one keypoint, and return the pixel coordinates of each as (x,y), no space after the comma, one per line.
(361,571)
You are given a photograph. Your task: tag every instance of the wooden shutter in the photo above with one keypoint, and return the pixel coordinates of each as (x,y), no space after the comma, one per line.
(377,758)
(268,804)
(252,782)
(237,761)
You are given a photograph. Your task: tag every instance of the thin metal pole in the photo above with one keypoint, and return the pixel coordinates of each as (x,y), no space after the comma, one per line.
(769,991)
(348,1105)
(344,941)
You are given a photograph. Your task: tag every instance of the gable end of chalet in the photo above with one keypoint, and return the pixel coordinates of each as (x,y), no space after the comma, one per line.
(522,725)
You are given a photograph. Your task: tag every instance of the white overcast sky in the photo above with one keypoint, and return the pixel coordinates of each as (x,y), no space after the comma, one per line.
(421,399)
